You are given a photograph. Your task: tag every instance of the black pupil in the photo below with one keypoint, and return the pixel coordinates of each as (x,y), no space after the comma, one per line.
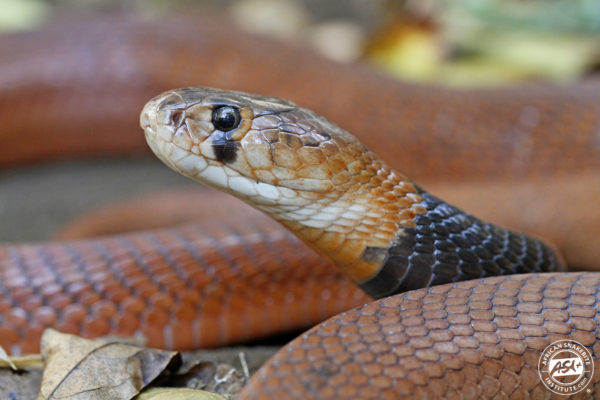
(226,118)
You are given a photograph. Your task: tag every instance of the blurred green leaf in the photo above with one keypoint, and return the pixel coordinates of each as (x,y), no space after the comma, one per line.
(22,14)
(548,15)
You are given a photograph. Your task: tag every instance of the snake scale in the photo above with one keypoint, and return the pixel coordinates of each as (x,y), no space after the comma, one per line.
(212,283)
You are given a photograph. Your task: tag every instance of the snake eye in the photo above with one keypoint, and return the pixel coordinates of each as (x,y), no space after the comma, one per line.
(226,118)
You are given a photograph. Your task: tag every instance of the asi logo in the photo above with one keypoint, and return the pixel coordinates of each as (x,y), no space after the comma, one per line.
(566,367)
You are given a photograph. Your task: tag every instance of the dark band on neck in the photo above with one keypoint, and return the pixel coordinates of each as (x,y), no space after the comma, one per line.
(448,245)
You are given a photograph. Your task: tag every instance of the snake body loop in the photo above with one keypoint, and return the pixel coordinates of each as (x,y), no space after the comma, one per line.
(388,236)
(526,157)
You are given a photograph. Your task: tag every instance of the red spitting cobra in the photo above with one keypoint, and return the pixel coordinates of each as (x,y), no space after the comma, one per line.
(525,157)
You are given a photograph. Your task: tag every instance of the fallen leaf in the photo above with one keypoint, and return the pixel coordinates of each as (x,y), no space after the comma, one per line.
(177,394)
(81,369)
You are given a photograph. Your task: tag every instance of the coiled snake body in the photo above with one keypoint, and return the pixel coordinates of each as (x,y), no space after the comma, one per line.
(382,231)
(183,289)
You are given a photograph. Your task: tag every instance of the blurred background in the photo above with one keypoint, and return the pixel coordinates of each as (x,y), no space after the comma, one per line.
(459,43)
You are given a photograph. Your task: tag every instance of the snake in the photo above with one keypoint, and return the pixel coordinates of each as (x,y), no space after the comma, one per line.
(226,280)
(385,233)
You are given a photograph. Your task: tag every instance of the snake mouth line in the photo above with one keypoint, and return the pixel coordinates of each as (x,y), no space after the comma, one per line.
(177,158)
(215,174)
(195,163)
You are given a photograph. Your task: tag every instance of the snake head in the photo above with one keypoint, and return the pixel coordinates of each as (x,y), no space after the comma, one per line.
(259,148)
(311,176)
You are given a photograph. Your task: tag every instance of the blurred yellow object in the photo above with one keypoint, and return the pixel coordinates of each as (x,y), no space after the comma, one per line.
(408,50)
(464,44)
(177,394)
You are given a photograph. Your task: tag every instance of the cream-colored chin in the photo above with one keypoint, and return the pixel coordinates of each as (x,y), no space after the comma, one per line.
(212,173)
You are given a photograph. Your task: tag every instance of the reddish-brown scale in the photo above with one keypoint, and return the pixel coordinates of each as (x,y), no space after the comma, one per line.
(472,140)
(420,345)
(123,61)
(197,286)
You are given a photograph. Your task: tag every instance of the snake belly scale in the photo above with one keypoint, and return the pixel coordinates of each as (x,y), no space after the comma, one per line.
(381,230)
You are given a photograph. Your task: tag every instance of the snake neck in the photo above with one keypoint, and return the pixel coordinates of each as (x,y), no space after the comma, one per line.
(346,224)
(390,236)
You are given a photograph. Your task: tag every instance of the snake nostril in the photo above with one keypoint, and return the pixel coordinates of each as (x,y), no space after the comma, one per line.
(177,117)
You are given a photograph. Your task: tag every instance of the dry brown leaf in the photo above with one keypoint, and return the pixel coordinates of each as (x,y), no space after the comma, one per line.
(177,394)
(81,369)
